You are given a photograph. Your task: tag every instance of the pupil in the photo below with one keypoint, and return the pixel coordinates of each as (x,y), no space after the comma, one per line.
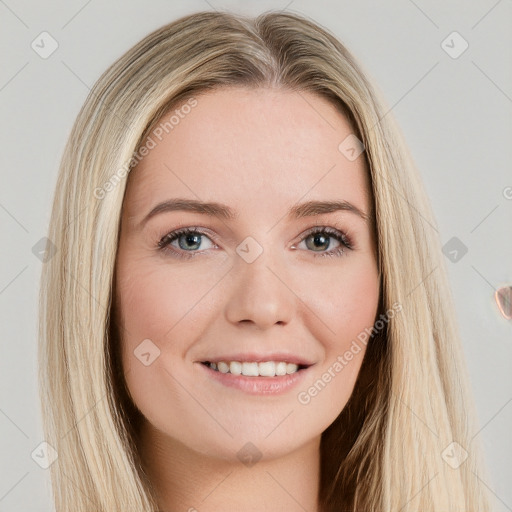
(191,239)
(322,240)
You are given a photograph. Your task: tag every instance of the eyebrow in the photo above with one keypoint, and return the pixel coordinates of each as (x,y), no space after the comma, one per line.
(214,209)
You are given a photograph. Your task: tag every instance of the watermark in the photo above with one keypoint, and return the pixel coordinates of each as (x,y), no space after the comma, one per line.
(146,352)
(44,249)
(249,249)
(454,455)
(454,45)
(304,397)
(351,147)
(454,249)
(44,45)
(249,454)
(507,192)
(44,455)
(152,140)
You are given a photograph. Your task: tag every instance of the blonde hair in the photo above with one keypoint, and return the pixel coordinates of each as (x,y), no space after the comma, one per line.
(411,400)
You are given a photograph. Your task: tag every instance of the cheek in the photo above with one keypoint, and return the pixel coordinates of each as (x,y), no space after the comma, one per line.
(345,299)
(162,311)
(155,299)
(166,307)
(354,302)
(346,302)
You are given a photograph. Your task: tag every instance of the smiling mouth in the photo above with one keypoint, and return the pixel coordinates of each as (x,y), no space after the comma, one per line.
(253,369)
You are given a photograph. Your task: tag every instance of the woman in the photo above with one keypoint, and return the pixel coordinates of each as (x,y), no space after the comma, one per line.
(198,352)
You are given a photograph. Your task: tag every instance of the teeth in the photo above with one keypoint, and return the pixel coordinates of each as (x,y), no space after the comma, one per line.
(223,367)
(235,367)
(253,369)
(281,368)
(291,367)
(267,369)
(250,369)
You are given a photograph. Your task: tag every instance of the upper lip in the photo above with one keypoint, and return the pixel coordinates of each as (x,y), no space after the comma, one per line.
(250,357)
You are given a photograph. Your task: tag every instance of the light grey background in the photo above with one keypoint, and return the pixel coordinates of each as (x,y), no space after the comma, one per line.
(455,114)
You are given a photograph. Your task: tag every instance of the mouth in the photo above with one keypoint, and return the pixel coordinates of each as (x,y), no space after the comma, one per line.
(276,376)
(256,369)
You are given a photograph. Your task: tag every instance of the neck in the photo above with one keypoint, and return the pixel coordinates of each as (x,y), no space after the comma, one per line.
(186,480)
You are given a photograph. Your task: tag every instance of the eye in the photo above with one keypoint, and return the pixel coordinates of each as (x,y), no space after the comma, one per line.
(320,238)
(188,241)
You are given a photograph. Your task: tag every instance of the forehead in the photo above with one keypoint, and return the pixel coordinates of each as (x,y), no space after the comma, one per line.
(254,149)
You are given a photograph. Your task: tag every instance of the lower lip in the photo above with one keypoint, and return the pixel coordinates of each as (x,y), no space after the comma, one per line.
(258,385)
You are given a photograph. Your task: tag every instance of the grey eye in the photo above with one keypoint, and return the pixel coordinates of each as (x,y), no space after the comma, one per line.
(319,241)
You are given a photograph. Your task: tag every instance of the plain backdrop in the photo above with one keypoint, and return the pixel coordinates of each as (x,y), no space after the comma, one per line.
(454,108)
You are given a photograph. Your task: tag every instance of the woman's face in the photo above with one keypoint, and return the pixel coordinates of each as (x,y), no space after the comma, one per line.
(253,286)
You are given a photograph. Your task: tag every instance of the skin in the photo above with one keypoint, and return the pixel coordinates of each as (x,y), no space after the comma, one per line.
(259,151)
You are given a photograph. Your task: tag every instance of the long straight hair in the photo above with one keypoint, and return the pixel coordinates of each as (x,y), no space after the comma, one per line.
(386,451)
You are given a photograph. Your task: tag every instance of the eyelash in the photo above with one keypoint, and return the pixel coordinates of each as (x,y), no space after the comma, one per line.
(341,237)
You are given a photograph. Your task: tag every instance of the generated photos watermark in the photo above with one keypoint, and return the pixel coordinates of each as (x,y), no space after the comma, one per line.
(156,136)
(304,397)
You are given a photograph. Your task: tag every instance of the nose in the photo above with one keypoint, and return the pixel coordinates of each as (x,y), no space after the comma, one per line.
(260,294)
